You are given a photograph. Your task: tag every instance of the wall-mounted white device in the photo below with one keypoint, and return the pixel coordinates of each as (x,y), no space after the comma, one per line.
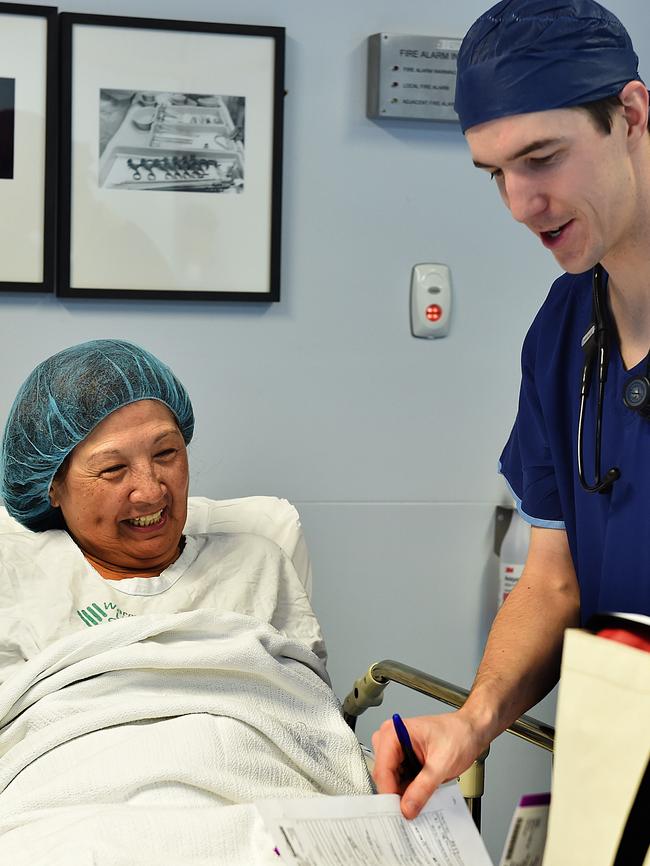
(430,300)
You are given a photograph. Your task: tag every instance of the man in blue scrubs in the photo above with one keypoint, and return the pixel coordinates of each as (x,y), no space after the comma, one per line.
(550,101)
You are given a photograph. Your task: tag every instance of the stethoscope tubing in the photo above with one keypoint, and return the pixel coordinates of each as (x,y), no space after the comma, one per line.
(595,353)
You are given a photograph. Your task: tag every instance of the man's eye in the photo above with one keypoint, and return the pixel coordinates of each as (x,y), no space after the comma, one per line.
(168,452)
(539,161)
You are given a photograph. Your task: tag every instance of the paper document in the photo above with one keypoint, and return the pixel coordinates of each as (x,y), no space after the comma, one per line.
(371,831)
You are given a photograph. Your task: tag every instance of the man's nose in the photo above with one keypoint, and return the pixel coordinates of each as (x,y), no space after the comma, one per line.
(523,198)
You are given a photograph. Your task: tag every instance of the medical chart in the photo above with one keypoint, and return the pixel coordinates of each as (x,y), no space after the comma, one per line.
(371,831)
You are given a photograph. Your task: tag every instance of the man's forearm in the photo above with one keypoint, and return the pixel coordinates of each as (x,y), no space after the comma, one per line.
(521,662)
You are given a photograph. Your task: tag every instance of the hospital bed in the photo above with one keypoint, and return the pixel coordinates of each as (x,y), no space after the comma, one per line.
(278,520)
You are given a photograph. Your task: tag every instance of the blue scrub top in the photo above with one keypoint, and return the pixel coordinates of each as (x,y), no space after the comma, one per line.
(609,534)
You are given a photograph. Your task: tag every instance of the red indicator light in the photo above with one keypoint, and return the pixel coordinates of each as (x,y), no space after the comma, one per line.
(433,312)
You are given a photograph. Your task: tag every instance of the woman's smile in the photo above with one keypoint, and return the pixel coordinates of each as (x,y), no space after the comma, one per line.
(149,521)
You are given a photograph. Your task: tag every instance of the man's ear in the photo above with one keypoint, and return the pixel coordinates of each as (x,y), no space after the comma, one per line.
(634,99)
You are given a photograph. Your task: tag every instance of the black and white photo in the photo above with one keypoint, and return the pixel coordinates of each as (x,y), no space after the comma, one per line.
(180,142)
(192,112)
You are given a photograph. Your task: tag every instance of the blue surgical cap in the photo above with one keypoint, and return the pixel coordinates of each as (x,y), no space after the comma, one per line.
(62,400)
(534,55)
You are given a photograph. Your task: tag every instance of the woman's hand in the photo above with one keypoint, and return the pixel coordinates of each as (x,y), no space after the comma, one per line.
(445,745)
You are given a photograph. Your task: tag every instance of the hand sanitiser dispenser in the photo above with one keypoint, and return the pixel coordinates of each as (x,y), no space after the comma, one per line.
(514,550)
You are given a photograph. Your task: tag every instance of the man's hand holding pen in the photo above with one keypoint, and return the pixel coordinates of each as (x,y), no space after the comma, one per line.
(441,748)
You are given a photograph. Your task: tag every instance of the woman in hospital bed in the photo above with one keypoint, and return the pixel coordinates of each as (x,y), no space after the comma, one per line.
(147,677)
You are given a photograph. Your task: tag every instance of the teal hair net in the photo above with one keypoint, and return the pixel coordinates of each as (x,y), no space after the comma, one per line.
(62,400)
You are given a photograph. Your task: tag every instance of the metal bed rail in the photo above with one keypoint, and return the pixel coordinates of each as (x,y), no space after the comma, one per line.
(368,691)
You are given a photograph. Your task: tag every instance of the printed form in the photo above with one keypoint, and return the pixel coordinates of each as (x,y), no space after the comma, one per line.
(371,831)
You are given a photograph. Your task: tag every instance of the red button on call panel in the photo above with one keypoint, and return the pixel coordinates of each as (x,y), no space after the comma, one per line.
(430,300)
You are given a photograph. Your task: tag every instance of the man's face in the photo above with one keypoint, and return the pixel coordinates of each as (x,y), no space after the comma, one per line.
(568,182)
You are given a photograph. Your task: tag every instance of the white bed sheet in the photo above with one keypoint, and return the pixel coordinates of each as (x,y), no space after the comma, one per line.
(146,742)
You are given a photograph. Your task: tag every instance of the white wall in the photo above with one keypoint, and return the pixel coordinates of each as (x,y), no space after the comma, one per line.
(387,444)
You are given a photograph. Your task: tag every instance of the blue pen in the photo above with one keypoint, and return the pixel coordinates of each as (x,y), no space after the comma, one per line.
(411,766)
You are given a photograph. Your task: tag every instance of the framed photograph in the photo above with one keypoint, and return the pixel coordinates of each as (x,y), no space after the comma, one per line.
(171,159)
(28,76)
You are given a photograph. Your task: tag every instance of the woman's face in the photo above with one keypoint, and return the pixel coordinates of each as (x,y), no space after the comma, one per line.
(123,492)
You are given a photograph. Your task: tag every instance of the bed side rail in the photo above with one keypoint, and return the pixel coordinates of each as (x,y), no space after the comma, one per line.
(368,691)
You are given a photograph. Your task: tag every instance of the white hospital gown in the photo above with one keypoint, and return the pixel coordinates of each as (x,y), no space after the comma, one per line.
(48,590)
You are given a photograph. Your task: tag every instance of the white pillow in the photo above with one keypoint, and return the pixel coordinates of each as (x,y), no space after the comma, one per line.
(274,518)
(268,516)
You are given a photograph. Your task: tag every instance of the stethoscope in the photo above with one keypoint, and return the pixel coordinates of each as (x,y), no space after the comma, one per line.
(636,394)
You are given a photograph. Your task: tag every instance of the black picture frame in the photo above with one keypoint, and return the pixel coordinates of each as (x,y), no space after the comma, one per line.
(28,146)
(170,159)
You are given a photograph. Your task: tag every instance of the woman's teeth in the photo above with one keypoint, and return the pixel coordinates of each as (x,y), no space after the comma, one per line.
(555,232)
(147,520)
